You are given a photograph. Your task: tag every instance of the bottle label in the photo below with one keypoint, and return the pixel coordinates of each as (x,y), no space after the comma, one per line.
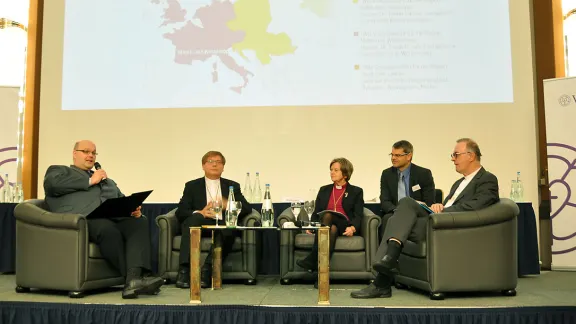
(267,204)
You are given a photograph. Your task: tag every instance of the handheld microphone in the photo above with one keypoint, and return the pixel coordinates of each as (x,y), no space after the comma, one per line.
(97,166)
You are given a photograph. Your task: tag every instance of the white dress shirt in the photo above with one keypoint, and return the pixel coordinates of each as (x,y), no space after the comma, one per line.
(461,187)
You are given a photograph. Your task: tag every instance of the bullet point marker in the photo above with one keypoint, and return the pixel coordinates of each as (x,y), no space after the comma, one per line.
(356,67)
(355,33)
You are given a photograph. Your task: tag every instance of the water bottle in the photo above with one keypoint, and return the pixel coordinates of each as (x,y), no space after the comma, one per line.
(513,191)
(231,212)
(247,192)
(257,193)
(19,194)
(8,198)
(2,193)
(519,188)
(267,208)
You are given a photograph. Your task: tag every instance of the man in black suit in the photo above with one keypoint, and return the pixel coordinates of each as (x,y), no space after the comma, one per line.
(478,189)
(194,210)
(124,240)
(403,179)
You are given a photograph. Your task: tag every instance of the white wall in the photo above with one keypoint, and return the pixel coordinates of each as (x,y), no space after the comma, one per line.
(290,146)
(8,132)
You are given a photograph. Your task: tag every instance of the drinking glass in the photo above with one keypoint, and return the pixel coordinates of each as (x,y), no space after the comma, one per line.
(309,209)
(217,209)
(296,206)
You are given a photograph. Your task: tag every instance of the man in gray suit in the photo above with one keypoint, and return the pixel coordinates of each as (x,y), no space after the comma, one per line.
(476,190)
(124,240)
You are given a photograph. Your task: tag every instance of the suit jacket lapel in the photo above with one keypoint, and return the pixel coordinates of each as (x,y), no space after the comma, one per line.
(394,185)
(453,190)
(347,193)
(202,193)
(82,172)
(224,187)
(470,187)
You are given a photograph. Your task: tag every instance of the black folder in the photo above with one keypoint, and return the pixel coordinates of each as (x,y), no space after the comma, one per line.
(120,207)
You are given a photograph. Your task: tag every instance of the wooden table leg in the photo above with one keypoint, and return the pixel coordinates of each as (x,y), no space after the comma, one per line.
(323,266)
(217,261)
(195,235)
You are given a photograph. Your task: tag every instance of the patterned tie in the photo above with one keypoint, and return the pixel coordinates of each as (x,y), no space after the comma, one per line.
(401,187)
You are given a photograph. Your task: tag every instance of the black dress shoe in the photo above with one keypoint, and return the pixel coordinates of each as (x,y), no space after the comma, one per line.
(142,286)
(206,278)
(387,266)
(372,292)
(183,279)
(307,265)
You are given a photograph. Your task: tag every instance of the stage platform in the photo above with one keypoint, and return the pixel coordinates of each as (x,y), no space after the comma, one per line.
(547,298)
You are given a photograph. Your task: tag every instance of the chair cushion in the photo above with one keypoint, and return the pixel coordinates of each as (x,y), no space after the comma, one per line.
(414,249)
(205,244)
(343,243)
(94,251)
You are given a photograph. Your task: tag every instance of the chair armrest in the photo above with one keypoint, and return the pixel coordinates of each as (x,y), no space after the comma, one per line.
(287,236)
(370,221)
(252,219)
(34,215)
(369,231)
(500,212)
(169,222)
(286,216)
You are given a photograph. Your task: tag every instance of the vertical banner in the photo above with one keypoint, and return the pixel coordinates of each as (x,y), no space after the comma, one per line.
(8,133)
(560,106)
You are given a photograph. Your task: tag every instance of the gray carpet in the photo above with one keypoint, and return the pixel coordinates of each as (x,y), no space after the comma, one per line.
(549,289)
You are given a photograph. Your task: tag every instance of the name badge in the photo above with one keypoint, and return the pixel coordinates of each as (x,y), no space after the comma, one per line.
(416,187)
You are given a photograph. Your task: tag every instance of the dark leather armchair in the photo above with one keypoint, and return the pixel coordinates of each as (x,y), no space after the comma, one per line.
(241,263)
(353,256)
(53,252)
(464,252)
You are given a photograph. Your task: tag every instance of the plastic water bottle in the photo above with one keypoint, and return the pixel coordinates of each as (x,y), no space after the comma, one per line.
(267,209)
(519,188)
(257,192)
(247,191)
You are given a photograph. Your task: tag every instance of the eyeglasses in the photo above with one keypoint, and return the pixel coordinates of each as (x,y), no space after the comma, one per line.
(398,155)
(214,161)
(87,152)
(456,154)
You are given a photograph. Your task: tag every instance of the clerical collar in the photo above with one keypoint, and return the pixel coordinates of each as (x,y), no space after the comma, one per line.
(339,187)
(210,180)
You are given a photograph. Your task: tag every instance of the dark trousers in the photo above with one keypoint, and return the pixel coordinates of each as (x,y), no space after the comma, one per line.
(337,225)
(197,220)
(383,224)
(408,222)
(124,242)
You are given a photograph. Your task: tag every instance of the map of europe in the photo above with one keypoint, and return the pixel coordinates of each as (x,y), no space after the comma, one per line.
(221,28)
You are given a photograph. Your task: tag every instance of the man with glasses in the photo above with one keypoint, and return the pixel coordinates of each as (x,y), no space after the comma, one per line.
(478,189)
(195,210)
(403,179)
(124,241)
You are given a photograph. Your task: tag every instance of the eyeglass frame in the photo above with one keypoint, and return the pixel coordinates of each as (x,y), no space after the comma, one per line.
(397,155)
(455,155)
(87,152)
(214,161)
